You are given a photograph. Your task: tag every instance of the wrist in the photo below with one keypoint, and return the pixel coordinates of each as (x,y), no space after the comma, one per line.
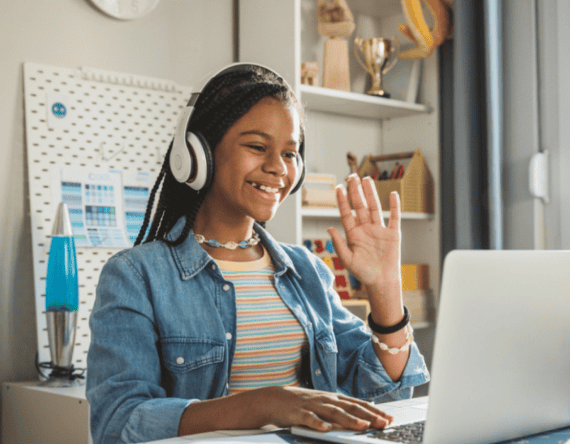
(386,302)
(257,409)
(383,288)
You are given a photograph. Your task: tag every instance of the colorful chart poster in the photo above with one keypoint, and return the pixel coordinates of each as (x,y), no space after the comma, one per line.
(136,191)
(95,203)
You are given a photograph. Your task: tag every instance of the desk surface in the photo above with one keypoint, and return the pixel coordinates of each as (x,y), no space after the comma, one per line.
(405,411)
(72,392)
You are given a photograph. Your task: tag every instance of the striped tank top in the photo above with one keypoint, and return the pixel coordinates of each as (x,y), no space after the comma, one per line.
(269,340)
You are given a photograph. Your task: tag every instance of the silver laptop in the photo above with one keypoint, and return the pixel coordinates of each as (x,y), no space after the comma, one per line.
(501,363)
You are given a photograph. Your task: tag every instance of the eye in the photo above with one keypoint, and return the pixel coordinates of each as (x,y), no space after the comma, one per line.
(291,155)
(256,147)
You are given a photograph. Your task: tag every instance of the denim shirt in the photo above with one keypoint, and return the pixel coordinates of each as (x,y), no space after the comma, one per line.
(163,335)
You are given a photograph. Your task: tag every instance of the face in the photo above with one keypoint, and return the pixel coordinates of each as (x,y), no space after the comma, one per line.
(255,162)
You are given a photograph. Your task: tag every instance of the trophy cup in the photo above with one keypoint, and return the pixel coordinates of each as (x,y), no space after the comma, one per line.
(379,58)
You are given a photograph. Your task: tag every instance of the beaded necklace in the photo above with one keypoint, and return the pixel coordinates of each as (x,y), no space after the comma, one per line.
(253,240)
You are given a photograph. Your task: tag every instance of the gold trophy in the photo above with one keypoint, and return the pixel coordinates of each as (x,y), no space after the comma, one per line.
(380,57)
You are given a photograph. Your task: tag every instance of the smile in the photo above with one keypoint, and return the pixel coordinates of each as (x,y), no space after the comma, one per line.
(264,188)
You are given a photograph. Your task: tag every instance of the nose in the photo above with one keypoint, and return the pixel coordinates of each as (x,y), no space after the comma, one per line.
(275,164)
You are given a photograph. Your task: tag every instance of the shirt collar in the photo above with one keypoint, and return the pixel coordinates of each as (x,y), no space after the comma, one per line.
(191,258)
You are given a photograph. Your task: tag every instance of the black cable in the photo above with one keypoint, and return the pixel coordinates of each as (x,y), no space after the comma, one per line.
(59,372)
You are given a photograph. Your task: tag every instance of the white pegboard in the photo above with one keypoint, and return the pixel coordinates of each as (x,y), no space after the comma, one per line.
(115,121)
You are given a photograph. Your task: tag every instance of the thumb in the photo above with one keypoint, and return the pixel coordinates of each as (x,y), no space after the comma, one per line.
(340,246)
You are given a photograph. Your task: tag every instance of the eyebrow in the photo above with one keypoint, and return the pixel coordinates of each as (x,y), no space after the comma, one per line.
(265,136)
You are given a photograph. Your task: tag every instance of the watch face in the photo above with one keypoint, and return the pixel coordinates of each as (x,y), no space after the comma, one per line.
(125,9)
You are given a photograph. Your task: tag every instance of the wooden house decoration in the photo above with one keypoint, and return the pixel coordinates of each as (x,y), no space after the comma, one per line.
(415,186)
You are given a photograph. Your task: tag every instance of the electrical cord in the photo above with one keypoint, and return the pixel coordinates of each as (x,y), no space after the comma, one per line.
(57,371)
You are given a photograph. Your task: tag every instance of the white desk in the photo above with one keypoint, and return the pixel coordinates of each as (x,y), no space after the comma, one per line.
(405,411)
(42,415)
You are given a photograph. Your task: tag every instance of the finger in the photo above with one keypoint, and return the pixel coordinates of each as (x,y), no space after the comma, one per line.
(312,420)
(340,246)
(394,221)
(368,405)
(377,420)
(356,197)
(372,200)
(338,415)
(346,217)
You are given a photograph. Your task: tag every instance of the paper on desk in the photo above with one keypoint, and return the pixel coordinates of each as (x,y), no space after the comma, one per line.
(262,435)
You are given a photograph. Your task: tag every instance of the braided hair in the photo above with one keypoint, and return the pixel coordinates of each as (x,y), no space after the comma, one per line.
(223,101)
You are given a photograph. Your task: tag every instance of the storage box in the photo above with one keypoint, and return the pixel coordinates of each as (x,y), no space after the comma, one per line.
(319,190)
(415,186)
(415,277)
(420,304)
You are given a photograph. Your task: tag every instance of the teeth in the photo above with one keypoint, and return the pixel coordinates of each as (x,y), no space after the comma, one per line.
(264,188)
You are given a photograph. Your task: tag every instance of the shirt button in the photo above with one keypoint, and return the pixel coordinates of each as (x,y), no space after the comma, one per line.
(282,288)
(317,372)
(228,336)
(310,325)
(213,266)
(226,287)
(227,386)
(180,360)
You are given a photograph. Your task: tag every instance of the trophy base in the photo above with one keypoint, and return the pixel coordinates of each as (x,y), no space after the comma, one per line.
(379,93)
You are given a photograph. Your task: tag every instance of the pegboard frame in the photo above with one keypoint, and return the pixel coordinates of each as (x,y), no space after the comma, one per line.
(117,121)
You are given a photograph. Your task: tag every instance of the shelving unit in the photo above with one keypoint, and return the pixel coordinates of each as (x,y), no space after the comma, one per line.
(333,213)
(282,34)
(353,104)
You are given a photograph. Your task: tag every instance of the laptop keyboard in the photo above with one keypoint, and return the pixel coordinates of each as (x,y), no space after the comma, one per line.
(406,433)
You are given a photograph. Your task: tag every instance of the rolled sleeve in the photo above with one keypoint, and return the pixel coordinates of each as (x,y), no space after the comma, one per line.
(377,386)
(154,420)
(360,372)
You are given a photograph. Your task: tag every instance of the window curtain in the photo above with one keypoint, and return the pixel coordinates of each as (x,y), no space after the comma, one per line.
(471,128)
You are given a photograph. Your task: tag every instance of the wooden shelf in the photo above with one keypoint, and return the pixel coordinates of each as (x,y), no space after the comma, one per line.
(333,213)
(357,105)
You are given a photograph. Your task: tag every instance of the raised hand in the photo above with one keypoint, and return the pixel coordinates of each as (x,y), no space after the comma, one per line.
(371,251)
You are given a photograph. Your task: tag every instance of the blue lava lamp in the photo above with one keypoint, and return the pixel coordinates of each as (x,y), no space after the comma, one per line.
(62,300)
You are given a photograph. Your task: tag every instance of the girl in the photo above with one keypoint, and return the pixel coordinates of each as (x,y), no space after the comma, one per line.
(212,324)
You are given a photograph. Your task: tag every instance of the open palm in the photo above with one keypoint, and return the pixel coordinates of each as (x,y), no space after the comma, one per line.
(371,251)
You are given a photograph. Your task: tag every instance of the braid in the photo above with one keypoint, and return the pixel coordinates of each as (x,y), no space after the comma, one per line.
(146,220)
(223,101)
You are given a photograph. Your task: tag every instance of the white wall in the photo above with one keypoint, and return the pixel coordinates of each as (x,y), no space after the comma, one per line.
(182,40)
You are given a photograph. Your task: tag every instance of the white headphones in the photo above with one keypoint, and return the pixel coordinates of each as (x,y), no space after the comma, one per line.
(191,160)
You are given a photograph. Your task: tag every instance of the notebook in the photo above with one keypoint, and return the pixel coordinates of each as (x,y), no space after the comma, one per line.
(501,362)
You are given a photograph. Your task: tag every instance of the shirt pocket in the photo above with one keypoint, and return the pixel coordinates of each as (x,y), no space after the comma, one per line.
(193,366)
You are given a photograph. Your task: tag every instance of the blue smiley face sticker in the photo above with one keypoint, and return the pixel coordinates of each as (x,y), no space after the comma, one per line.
(58,109)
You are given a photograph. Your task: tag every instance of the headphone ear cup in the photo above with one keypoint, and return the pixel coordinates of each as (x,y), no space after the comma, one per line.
(300,174)
(204,161)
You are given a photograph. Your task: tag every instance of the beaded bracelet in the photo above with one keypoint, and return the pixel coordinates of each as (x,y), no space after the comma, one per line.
(394,328)
(394,350)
